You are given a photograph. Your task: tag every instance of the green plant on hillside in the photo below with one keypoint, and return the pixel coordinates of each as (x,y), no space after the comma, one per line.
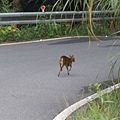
(6,6)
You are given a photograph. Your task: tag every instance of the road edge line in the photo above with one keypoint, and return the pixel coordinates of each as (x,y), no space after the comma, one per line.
(36,41)
(45,40)
(68,111)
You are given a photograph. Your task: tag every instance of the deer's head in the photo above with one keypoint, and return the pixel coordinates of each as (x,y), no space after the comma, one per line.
(72,58)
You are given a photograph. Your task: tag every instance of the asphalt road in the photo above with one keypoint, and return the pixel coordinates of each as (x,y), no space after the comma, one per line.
(29,86)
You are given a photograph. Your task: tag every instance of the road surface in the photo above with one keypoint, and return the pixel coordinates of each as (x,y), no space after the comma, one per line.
(29,86)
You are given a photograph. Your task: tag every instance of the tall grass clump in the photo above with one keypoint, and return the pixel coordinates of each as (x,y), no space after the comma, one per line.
(94,28)
(110,26)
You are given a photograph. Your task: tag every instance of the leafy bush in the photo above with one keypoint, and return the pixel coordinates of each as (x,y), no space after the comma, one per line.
(48,30)
(9,33)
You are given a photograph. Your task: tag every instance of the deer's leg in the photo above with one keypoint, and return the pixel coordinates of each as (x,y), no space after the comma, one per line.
(70,67)
(59,74)
(67,70)
(61,66)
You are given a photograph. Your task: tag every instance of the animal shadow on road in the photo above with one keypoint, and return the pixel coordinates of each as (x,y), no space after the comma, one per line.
(71,76)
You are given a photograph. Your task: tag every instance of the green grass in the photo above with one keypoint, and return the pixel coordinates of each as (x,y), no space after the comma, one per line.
(106,107)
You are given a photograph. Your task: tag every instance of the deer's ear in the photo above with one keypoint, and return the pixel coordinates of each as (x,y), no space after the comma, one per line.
(72,56)
(69,55)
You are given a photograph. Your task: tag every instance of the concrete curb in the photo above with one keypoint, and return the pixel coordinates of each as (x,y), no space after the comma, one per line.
(65,113)
(37,41)
(45,40)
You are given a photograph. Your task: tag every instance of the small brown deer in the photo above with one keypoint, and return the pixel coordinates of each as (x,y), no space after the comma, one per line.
(66,61)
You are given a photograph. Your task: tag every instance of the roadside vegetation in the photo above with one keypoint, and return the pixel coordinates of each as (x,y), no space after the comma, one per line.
(106,107)
(14,33)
